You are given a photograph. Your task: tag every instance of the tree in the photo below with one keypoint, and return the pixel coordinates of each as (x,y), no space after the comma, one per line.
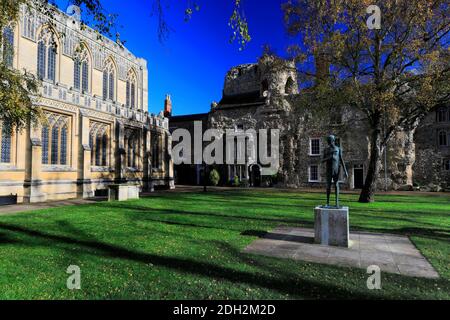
(237,22)
(395,75)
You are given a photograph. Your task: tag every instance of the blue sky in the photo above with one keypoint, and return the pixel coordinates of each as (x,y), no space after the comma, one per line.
(191,64)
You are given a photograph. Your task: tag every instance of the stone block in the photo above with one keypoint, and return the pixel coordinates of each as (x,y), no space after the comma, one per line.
(123,192)
(332,227)
(133,192)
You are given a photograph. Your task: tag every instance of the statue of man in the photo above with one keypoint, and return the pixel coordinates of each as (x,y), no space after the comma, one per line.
(333,158)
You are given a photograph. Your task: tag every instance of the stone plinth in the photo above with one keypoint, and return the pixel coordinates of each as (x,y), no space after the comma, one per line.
(123,192)
(331,226)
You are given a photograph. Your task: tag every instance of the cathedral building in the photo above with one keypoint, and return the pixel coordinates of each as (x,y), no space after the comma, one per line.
(97,131)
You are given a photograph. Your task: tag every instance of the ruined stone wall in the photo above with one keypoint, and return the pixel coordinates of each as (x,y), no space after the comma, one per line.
(299,123)
(276,76)
(281,75)
(429,170)
(242,79)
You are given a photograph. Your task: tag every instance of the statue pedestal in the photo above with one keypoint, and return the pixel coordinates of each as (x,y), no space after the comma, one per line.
(331,226)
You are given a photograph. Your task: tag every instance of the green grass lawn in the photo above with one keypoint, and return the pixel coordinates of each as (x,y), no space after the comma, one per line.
(188,246)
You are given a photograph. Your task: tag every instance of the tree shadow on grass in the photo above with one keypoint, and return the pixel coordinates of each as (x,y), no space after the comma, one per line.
(137,208)
(290,269)
(5,239)
(309,288)
(431,233)
(278,236)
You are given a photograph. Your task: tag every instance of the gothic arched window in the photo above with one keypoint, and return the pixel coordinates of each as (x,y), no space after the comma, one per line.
(6,146)
(55,141)
(131,90)
(108,81)
(8,46)
(99,143)
(46,64)
(443,139)
(81,71)
(132,149)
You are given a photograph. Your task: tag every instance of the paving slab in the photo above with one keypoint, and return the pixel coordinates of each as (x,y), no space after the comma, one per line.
(392,253)
(20,208)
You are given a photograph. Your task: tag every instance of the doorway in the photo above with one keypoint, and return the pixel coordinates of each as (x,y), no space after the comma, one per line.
(255,176)
(358,176)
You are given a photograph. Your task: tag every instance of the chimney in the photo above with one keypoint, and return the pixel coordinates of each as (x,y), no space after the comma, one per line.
(168,107)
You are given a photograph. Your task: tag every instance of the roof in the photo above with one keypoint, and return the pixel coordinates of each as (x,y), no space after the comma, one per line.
(189,117)
(242,99)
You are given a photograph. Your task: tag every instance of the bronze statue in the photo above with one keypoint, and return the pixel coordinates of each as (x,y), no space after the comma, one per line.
(333,158)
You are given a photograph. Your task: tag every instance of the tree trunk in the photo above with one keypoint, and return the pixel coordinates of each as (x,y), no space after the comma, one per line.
(370,185)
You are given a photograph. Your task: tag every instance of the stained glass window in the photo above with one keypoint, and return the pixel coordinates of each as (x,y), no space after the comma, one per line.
(8,46)
(108,81)
(76,74)
(63,157)
(128,93)
(51,63)
(104,150)
(133,95)
(42,48)
(111,86)
(131,90)
(6,146)
(105,84)
(45,144)
(85,78)
(98,150)
(54,152)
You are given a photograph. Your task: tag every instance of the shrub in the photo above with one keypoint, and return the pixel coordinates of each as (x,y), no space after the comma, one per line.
(236,182)
(214,177)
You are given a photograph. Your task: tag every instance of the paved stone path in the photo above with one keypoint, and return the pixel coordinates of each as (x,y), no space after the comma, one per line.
(18,208)
(392,253)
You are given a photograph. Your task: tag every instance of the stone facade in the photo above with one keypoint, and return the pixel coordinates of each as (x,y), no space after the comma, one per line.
(98,131)
(432,140)
(265,95)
